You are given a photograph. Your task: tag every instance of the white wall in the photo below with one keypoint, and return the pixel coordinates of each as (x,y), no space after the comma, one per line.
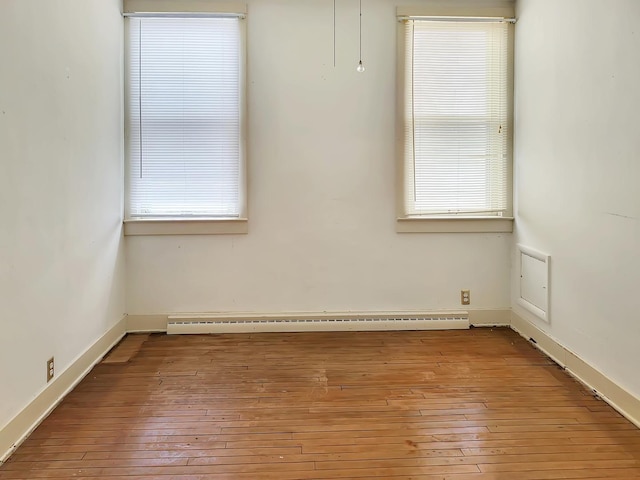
(577,168)
(61,253)
(321,199)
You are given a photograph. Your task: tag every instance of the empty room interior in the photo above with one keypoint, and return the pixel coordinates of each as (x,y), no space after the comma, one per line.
(299,239)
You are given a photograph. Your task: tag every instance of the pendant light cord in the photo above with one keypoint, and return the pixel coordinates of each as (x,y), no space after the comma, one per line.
(360,31)
(334,33)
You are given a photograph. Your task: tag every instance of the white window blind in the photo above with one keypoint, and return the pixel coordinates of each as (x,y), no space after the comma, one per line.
(184,125)
(456,118)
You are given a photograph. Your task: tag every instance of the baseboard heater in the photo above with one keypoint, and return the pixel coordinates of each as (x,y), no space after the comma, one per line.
(185,324)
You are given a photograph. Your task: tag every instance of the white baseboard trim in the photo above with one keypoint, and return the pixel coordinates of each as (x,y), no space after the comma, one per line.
(25,422)
(146,323)
(490,318)
(624,402)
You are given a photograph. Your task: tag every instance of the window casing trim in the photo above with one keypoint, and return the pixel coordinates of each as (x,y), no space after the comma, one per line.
(186,226)
(133,7)
(468,223)
(458,224)
(469,8)
(222,225)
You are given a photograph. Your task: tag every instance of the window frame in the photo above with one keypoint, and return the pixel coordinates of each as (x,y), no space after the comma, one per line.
(187,225)
(439,223)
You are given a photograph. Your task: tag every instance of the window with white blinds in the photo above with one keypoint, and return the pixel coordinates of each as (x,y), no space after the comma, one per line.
(184,98)
(456,121)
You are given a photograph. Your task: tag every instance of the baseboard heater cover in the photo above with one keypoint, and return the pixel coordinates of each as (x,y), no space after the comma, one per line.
(185,324)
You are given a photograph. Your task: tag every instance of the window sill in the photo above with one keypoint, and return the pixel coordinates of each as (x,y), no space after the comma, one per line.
(454,225)
(181,226)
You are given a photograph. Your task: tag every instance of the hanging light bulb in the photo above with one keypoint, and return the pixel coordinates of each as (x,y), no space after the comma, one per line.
(360,67)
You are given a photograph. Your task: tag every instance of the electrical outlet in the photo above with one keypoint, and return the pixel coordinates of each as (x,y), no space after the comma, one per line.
(50,369)
(465,297)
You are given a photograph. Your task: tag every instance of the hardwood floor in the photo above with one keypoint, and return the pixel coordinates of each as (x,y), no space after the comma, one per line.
(463,405)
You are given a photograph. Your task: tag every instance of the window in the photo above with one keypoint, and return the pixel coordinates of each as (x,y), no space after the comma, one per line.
(455,122)
(184,126)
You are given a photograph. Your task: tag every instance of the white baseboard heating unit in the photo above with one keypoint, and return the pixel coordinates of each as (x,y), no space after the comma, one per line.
(219,323)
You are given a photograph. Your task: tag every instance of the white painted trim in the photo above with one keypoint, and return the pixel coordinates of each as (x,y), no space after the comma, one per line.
(183,226)
(184,6)
(523,302)
(146,323)
(25,422)
(498,8)
(454,225)
(490,318)
(441,223)
(620,399)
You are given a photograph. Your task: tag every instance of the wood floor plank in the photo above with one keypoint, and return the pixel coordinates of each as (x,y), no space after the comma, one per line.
(480,404)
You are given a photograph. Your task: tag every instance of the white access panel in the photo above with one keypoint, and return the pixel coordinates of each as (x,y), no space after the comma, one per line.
(534,281)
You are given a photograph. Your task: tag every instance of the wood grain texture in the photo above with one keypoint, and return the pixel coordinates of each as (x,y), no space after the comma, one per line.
(126,349)
(458,405)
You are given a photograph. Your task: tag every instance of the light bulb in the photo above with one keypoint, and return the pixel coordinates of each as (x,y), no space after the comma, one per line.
(360,67)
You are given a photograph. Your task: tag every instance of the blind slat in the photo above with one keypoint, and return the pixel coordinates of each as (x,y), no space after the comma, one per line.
(184,117)
(456,118)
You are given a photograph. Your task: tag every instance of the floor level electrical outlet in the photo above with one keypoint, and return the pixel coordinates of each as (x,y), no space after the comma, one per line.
(465,297)
(50,369)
